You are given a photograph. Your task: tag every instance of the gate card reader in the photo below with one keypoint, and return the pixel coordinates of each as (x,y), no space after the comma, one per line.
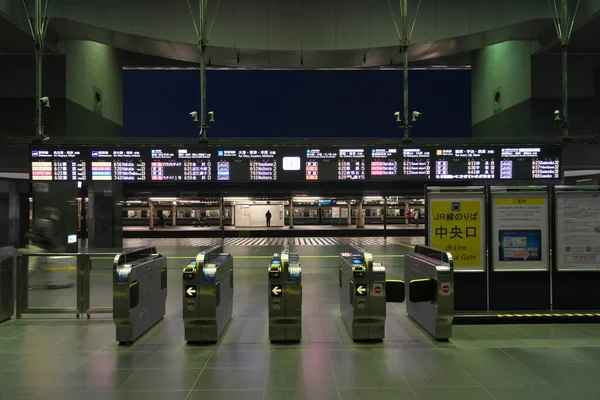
(285,296)
(207,295)
(362,295)
(139,292)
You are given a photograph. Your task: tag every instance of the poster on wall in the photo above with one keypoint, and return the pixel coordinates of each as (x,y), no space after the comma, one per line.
(335,212)
(520,231)
(578,231)
(457,225)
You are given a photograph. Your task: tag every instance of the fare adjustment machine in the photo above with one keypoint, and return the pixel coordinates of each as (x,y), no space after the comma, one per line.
(207,295)
(362,295)
(285,297)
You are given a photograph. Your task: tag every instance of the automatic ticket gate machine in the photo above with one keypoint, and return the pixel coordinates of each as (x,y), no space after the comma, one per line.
(139,292)
(285,296)
(207,295)
(430,303)
(362,295)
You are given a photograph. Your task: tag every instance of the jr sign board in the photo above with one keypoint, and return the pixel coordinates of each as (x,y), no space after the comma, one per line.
(457,225)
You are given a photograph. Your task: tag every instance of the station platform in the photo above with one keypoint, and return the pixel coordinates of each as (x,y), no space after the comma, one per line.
(398,230)
(61,357)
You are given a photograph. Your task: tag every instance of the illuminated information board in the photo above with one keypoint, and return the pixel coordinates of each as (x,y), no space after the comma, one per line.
(416,163)
(351,164)
(117,165)
(247,165)
(384,163)
(465,163)
(58,165)
(180,165)
(530,163)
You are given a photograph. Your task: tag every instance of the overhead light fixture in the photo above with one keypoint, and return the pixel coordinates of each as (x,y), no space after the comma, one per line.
(163,198)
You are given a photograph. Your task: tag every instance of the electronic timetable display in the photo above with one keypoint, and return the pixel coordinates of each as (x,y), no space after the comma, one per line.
(117,165)
(178,164)
(321,164)
(416,163)
(247,165)
(58,165)
(465,163)
(384,163)
(530,162)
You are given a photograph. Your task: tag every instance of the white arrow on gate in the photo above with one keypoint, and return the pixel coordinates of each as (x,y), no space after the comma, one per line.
(361,289)
(276,290)
(191,291)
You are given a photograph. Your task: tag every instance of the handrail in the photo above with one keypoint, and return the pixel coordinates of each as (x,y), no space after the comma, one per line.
(133,254)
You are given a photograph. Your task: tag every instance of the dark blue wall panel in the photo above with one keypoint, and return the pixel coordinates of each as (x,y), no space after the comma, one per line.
(292,104)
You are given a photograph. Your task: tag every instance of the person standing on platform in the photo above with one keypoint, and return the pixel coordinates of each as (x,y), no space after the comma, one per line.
(417,216)
(268,217)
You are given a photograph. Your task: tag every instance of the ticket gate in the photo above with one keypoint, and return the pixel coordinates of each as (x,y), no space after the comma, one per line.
(207,295)
(285,296)
(7,282)
(430,303)
(362,295)
(139,292)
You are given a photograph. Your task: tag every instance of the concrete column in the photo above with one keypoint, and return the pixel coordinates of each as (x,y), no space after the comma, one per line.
(349,213)
(105,219)
(501,90)
(291,213)
(94,90)
(360,219)
(174,215)
(151,212)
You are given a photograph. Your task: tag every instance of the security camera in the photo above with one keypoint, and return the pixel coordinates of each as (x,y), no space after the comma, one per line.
(211,116)
(45,102)
(557,115)
(194,115)
(397,115)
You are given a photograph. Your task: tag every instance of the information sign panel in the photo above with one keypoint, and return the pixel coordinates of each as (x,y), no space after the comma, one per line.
(457,225)
(578,231)
(180,165)
(522,163)
(117,164)
(385,164)
(416,163)
(248,164)
(465,163)
(58,165)
(520,231)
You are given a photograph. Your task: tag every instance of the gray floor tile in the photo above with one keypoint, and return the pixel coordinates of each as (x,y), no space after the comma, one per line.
(301,394)
(18,381)
(379,394)
(549,392)
(368,375)
(95,381)
(436,374)
(73,396)
(108,361)
(16,396)
(300,356)
(231,378)
(239,359)
(150,395)
(226,395)
(190,358)
(302,377)
(162,380)
(453,393)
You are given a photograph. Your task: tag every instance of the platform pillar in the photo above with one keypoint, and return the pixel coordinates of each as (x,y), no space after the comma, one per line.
(151,204)
(105,216)
(291,213)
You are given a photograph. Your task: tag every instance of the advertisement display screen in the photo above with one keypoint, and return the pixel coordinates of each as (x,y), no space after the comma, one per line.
(58,165)
(520,245)
(465,163)
(530,162)
(180,165)
(247,164)
(117,165)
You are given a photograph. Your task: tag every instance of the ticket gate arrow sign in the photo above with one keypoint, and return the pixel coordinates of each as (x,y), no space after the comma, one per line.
(276,290)
(190,291)
(361,290)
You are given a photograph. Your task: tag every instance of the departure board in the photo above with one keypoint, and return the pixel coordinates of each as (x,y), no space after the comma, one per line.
(465,163)
(321,164)
(58,165)
(530,162)
(384,164)
(180,165)
(351,164)
(416,163)
(118,165)
(247,165)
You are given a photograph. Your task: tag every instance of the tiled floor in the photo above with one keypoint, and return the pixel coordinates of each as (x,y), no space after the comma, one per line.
(64,358)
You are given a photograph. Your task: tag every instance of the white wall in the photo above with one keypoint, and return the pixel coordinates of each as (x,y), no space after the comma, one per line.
(254,215)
